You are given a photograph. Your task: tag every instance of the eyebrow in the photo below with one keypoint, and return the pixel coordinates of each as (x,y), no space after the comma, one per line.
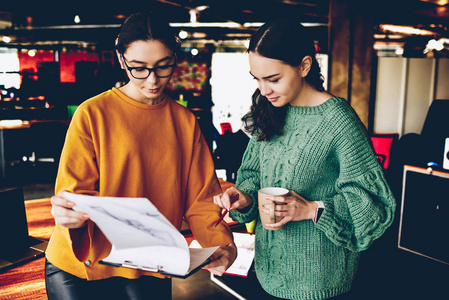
(159,61)
(266,77)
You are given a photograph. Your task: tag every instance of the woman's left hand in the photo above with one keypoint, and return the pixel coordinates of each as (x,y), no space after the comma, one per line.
(222,259)
(293,208)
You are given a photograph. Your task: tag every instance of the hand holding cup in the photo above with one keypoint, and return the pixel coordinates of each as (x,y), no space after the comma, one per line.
(267,208)
(278,206)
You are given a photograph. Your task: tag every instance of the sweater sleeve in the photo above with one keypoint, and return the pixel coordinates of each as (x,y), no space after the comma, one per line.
(363,207)
(78,173)
(78,170)
(248,180)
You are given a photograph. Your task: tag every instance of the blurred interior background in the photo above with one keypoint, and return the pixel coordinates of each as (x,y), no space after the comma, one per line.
(388,58)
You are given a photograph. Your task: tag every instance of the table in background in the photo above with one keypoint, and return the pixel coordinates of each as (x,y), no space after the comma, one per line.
(21,135)
(23,125)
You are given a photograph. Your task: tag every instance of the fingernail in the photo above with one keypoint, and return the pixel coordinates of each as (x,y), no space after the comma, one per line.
(70,203)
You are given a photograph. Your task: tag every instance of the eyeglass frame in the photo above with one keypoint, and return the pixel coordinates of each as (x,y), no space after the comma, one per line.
(150,70)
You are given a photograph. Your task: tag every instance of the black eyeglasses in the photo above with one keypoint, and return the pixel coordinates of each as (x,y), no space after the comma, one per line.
(143,73)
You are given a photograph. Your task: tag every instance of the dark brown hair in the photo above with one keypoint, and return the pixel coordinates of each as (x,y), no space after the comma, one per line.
(289,42)
(145,26)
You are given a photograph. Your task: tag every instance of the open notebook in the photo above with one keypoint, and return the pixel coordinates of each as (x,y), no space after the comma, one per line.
(17,247)
(141,237)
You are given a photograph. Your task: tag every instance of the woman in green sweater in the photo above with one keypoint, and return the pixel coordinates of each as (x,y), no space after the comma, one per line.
(312,143)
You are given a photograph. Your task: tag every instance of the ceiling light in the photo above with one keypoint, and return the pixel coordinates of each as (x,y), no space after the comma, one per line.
(120,16)
(32,53)
(253,24)
(305,24)
(434,44)
(14,122)
(201,8)
(77,19)
(209,24)
(199,35)
(399,51)
(405,29)
(6,39)
(437,45)
(183,34)
(438,2)
(193,16)
(388,36)
(238,35)
(194,13)
(194,51)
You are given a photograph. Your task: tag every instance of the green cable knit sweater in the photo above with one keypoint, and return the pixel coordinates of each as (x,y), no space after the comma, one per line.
(324,154)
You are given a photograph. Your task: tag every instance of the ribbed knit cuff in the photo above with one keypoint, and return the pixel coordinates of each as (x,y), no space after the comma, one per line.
(247,216)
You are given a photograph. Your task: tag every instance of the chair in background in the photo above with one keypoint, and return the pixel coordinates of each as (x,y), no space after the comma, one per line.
(15,148)
(204,118)
(47,141)
(421,149)
(435,131)
(382,143)
(225,127)
(230,149)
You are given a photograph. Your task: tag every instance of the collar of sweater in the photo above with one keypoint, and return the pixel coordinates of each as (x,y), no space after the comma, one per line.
(313,110)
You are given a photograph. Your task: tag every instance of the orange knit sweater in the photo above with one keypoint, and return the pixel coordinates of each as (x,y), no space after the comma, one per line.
(116,146)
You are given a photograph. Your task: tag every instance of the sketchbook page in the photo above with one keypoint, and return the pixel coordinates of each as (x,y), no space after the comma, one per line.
(134,225)
(171,260)
(199,255)
(245,254)
(142,205)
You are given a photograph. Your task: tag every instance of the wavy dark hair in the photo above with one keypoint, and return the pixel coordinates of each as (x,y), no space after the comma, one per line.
(146,26)
(289,42)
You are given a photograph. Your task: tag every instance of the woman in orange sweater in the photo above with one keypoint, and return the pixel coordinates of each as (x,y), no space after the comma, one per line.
(133,141)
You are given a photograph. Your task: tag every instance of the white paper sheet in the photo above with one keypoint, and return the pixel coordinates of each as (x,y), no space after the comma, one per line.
(245,253)
(140,235)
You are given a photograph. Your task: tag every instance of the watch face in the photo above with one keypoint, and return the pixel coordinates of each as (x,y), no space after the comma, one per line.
(318,213)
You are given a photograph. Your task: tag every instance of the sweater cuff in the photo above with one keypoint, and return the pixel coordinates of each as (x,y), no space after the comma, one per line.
(247,215)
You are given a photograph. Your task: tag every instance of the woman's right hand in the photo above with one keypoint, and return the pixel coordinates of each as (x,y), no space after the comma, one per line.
(64,214)
(233,199)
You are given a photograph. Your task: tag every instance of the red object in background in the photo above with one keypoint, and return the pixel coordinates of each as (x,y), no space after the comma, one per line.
(225,127)
(69,58)
(382,143)
(67,61)
(30,65)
